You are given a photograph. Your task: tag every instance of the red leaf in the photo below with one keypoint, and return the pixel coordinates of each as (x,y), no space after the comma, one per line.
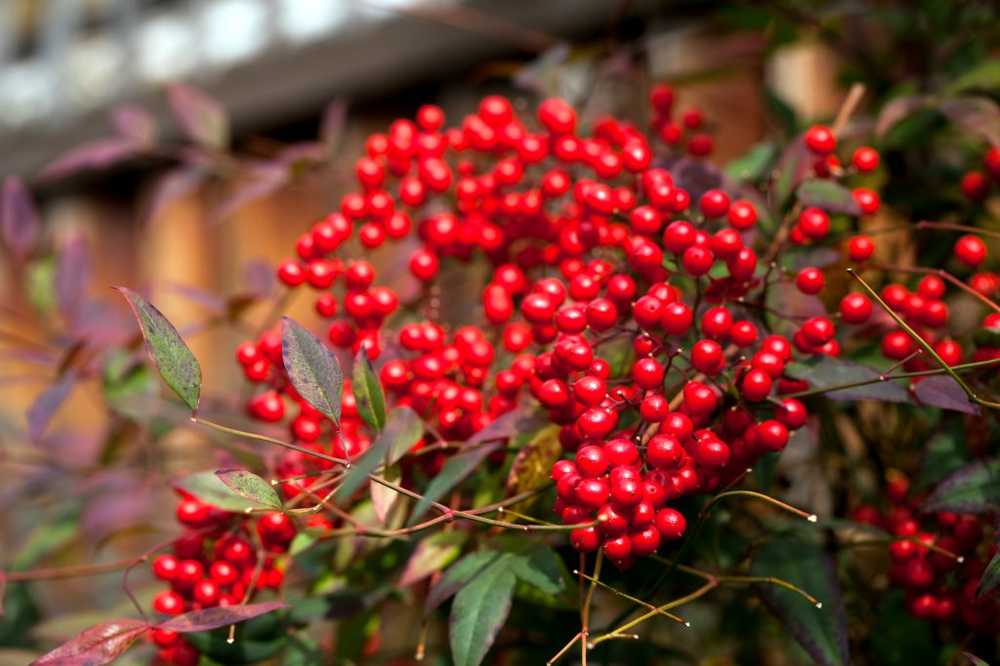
(220,616)
(101,644)
(46,405)
(201,117)
(99,154)
(19,218)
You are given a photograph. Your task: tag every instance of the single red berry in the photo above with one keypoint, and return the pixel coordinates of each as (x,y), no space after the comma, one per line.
(810,280)
(970,250)
(855,308)
(860,248)
(670,523)
(865,158)
(820,140)
(756,385)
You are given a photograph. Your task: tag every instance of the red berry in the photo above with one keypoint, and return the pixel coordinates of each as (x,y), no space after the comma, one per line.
(756,385)
(810,280)
(970,250)
(860,248)
(670,523)
(820,140)
(855,308)
(865,159)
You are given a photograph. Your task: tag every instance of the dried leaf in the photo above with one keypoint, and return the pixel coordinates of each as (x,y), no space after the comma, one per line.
(533,463)
(101,644)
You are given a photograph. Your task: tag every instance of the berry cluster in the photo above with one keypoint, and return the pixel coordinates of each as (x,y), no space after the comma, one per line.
(976,184)
(215,563)
(937,558)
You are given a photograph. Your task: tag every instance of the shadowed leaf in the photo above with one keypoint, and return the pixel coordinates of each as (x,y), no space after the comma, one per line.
(976,115)
(828,195)
(72,276)
(99,154)
(895,111)
(313,370)
(262,180)
(250,486)
(101,644)
(172,186)
(822,632)
(402,430)
(3,589)
(753,165)
(458,575)
(829,372)
(368,392)
(177,365)
(974,660)
(19,218)
(972,489)
(943,391)
(990,578)
(454,471)
(220,616)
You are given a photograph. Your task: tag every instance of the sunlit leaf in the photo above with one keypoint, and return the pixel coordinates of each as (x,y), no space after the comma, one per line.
(401,432)
(98,645)
(220,616)
(177,365)
(250,486)
(432,554)
(211,489)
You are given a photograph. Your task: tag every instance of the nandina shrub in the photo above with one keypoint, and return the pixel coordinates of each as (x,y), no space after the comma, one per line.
(593,445)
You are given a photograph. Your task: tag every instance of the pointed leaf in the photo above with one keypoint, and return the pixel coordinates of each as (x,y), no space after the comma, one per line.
(479,611)
(19,218)
(313,370)
(895,111)
(458,574)
(177,365)
(972,489)
(976,115)
(974,660)
(220,616)
(368,392)
(540,567)
(454,471)
(830,372)
(990,578)
(943,391)
(199,116)
(47,404)
(985,76)
(209,487)
(101,644)
(789,172)
(828,195)
(822,632)
(72,276)
(99,154)
(402,431)
(753,165)
(262,180)
(383,498)
(250,486)
(432,554)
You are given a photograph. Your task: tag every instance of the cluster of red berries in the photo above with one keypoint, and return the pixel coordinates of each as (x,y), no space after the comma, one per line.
(938,558)
(976,184)
(215,563)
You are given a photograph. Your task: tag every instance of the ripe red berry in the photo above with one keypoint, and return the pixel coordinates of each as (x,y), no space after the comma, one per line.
(756,385)
(970,250)
(714,203)
(860,248)
(670,523)
(855,308)
(820,140)
(810,280)
(865,158)
(707,357)
(814,223)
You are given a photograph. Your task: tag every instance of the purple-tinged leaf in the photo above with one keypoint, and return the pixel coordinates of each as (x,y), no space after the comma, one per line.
(220,616)
(177,365)
(312,369)
(211,302)
(403,429)
(171,186)
(896,110)
(47,404)
(334,121)
(943,391)
(974,660)
(99,154)
(792,167)
(976,115)
(250,486)
(20,223)
(134,123)
(432,554)
(973,489)
(262,180)
(72,276)
(199,116)
(821,631)
(101,644)
(826,373)
(828,195)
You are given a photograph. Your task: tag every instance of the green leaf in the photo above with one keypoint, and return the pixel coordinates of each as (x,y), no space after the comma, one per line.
(791,168)
(828,195)
(822,632)
(897,638)
(250,486)
(458,575)
(972,489)
(754,164)
(211,489)
(985,76)
(540,567)
(432,554)
(313,370)
(991,577)
(456,469)
(480,609)
(177,365)
(368,392)
(402,431)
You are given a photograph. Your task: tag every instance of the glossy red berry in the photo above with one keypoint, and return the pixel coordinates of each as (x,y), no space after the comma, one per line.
(820,140)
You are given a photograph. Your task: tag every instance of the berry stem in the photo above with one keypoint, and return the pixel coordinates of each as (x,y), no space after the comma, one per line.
(926,224)
(926,346)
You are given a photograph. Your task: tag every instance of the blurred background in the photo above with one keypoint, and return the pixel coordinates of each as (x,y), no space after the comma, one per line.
(302,83)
